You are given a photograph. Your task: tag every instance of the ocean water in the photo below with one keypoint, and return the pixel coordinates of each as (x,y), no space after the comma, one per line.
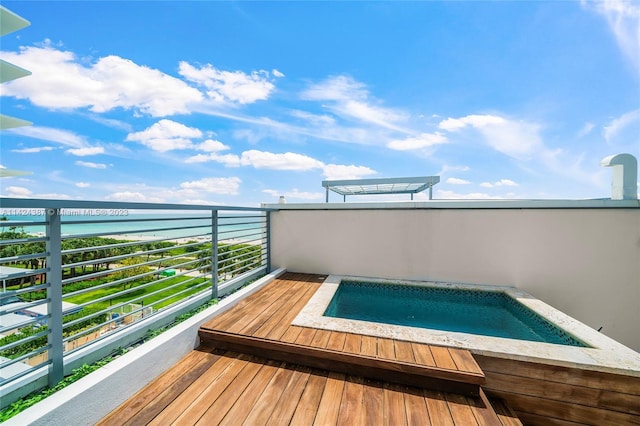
(142,226)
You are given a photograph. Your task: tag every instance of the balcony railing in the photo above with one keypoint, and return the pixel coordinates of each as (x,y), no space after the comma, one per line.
(81,279)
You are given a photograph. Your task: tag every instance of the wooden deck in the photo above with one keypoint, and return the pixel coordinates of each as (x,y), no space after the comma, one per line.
(255,368)
(261,324)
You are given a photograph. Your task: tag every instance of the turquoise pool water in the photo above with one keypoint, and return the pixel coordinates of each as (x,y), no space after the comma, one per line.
(480,312)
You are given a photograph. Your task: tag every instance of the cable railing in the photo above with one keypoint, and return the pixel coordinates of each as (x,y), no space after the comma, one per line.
(80,278)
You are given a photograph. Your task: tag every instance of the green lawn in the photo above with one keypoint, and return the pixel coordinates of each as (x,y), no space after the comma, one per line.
(138,294)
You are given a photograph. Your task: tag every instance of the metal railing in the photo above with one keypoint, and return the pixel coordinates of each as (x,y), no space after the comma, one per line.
(83,278)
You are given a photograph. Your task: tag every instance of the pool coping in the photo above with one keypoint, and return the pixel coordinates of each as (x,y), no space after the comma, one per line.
(605,354)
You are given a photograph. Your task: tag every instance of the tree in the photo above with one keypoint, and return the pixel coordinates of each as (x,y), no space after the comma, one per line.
(130,272)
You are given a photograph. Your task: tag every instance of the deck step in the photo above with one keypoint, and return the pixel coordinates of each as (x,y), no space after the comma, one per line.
(429,377)
(214,386)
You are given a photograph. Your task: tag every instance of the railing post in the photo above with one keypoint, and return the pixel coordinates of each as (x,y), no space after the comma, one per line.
(268,224)
(214,254)
(54,294)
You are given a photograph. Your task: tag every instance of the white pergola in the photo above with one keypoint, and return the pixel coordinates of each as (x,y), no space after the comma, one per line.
(403,185)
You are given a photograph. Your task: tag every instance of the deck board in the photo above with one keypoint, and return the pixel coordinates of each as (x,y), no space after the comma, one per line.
(329,406)
(336,341)
(403,351)
(393,404)
(222,386)
(321,338)
(291,334)
(288,315)
(422,354)
(151,400)
(351,402)
(219,408)
(442,357)
(307,408)
(306,336)
(438,408)
(386,348)
(369,346)
(460,410)
(286,406)
(352,343)
(262,410)
(416,407)
(242,389)
(250,395)
(277,323)
(195,399)
(372,401)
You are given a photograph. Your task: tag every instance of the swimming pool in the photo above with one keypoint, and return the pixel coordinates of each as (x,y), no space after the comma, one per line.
(595,351)
(488,313)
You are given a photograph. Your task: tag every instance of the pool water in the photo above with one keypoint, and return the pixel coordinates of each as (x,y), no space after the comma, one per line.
(488,313)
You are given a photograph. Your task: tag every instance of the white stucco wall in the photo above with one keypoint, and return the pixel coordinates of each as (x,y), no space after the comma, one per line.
(583,261)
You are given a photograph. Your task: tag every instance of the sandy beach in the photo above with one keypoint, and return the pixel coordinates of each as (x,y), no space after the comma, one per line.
(146,238)
(180,240)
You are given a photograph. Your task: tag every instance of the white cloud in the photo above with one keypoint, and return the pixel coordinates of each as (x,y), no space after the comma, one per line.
(33,150)
(285,161)
(277,73)
(586,129)
(447,168)
(166,135)
(295,194)
(338,88)
(229,160)
(517,139)
(51,134)
(320,126)
(110,122)
(623,17)
(83,184)
(501,182)
(52,196)
(619,124)
(423,140)
(349,98)
(61,81)
(189,192)
(456,181)
(315,119)
(89,150)
(128,196)
(91,165)
(211,145)
(229,86)
(17,192)
(227,186)
(22,192)
(477,121)
(200,158)
(339,172)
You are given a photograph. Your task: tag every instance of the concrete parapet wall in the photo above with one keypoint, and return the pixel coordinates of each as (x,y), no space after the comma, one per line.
(583,261)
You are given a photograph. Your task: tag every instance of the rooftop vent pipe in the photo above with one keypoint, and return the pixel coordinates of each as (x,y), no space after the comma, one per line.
(624,180)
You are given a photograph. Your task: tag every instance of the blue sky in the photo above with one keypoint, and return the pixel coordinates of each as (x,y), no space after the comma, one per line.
(237,103)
